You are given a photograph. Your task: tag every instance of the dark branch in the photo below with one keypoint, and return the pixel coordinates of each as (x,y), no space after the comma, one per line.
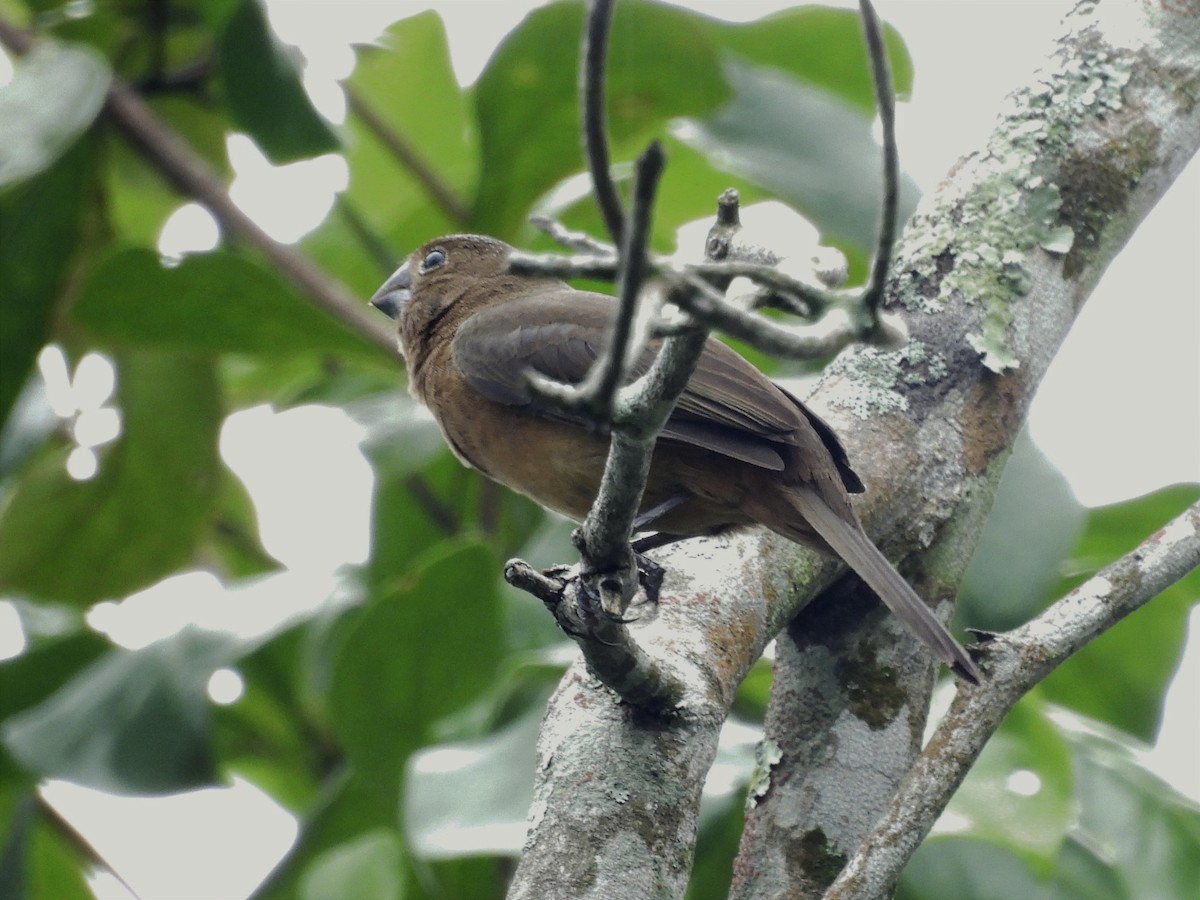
(593,398)
(885,102)
(595,139)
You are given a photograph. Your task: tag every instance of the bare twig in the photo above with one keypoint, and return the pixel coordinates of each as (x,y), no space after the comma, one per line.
(885,102)
(593,398)
(455,209)
(579,241)
(595,138)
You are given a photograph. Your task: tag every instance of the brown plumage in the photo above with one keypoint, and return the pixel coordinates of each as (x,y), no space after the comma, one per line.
(738,450)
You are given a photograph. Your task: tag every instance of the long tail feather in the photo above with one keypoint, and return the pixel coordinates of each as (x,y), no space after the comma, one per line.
(852,545)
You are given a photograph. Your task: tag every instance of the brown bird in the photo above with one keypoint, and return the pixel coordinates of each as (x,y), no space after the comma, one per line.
(738,450)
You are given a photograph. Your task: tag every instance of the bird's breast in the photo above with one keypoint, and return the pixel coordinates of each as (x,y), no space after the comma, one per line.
(555,464)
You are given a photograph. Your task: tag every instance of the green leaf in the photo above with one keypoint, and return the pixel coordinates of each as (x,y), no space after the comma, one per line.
(1080,873)
(1113,678)
(804,145)
(953,868)
(30,678)
(139,518)
(138,199)
(369,867)
(1147,830)
(415,654)
(471,798)
(350,807)
(662,65)
(134,722)
(233,532)
(821,46)
(262,86)
(388,209)
(55,94)
(211,302)
(40,236)
(1033,523)
(35,859)
(408,507)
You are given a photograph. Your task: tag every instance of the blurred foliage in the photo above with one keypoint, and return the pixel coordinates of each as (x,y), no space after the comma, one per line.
(397,722)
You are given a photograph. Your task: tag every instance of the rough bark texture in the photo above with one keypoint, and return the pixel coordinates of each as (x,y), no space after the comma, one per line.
(989,274)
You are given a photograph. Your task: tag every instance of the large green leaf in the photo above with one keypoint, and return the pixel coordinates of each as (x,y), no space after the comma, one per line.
(471,798)
(133,722)
(211,302)
(138,198)
(40,235)
(28,679)
(55,94)
(415,654)
(1133,821)
(1113,678)
(36,860)
(388,209)
(350,807)
(139,518)
(662,64)
(805,146)
(368,867)
(819,45)
(955,868)
(1033,523)
(263,89)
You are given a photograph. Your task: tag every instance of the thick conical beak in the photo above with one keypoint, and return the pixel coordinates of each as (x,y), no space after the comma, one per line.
(396,291)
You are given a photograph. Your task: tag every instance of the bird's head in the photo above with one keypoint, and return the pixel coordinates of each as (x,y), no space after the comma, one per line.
(439,271)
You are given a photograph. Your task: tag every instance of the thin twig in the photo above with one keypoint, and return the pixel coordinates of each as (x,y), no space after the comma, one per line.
(399,146)
(579,241)
(606,529)
(593,397)
(885,102)
(1015,662)
(595,139)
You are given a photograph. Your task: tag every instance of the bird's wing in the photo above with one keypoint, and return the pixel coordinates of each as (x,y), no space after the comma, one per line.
(729,407)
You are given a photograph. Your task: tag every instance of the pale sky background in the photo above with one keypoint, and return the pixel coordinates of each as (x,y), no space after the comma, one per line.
(313,510)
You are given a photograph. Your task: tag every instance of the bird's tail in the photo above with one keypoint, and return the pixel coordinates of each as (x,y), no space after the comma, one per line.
(848,540)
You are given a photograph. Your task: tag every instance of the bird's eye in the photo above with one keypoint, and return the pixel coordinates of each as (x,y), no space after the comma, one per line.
(433,259)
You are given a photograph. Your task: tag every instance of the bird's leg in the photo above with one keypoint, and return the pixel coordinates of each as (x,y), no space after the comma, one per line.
(648,517)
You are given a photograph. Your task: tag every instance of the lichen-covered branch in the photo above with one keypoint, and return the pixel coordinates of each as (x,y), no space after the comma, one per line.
(1017,661)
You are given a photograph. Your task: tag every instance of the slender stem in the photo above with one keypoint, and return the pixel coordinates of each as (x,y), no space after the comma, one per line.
(885,101)
(595,140)
(608,524)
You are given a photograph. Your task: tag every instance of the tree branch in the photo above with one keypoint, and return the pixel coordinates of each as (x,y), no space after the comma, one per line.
(591,101)
(885,103)
(1016,662)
